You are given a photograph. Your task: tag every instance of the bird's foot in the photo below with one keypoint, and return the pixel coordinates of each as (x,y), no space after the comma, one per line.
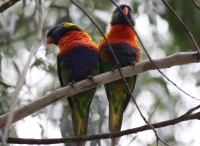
(72,83)
(113,69)
(90,77)
(133,63)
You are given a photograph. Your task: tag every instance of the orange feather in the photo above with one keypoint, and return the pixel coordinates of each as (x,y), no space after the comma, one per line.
(73,39)
(124,34)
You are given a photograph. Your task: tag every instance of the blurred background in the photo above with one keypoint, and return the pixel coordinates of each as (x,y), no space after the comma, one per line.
(158,99)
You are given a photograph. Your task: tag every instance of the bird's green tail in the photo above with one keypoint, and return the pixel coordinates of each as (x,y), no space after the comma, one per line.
(79,124)
(118,100)
(80,105)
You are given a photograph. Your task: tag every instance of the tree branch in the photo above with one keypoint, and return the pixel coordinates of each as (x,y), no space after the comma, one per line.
(184,117)
(7,5)
(167,62)
(195,4)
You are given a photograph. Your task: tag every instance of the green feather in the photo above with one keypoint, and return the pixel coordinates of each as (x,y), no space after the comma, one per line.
(118,97)
(71,26)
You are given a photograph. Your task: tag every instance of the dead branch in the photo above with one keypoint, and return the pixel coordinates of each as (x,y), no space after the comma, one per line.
(195,4)
(7,5)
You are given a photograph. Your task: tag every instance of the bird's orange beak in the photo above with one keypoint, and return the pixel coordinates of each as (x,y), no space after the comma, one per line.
(49,41)
(125,10)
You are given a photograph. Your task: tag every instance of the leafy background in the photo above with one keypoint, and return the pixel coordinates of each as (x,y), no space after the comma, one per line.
(159,100)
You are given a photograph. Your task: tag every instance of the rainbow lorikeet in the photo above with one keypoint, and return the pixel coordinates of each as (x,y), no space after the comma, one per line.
(124,44)
(77,59)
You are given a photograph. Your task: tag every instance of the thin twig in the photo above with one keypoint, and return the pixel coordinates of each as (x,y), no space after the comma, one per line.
(7,5)
(184,26)
(154,63)
(195,4)
(21,79)
(192,110)
(157,142)
(182,118)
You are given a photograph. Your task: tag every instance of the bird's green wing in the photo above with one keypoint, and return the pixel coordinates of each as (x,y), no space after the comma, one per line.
(63,73)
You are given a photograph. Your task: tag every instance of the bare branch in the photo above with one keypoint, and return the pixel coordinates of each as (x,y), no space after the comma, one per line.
(184,26)
(21,79)
(7,5)
(195,4)
(192,110)
(184,117)
(173,60)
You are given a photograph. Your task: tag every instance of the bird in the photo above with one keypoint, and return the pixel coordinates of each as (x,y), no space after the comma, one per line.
(123,41)
(77,59)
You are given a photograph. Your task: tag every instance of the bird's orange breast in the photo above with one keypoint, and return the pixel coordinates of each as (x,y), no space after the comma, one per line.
(74,39)
(120,33)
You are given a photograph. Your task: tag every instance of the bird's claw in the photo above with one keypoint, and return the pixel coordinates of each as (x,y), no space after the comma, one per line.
(90,77)
(133,63)
(72,83)
(113,69)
